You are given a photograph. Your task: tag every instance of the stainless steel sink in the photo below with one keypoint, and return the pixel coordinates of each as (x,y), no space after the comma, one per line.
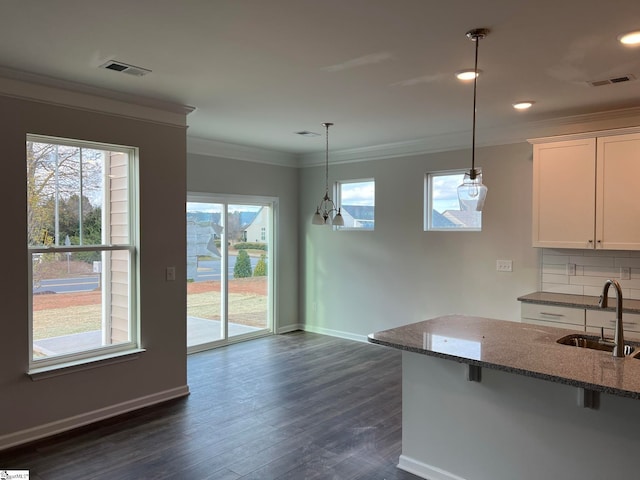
(595,343)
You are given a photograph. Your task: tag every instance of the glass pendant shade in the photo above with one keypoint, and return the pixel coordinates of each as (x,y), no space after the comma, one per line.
(317,218)
(338,221)
(472,192)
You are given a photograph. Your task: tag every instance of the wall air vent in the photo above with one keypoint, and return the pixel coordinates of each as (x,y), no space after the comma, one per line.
(125,68)
(609,81)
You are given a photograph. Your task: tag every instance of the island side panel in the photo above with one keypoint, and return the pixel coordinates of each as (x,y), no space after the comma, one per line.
(510,426)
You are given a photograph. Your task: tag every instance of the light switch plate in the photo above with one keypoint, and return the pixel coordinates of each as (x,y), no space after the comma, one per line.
(171,274)
(625,273)
(571,269)
(504,265)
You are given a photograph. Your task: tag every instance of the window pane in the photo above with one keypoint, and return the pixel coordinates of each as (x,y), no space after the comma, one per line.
(357,203)
(248,260)
(442,208)
(205,229)
(65,194)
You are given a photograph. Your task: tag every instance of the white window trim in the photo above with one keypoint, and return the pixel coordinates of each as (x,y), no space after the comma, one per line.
(337,195)
(428,210)
(66,363)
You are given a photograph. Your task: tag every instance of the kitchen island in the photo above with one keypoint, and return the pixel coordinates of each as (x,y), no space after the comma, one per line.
(491,399)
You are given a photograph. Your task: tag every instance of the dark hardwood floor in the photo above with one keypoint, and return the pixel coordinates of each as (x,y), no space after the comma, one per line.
(287,407)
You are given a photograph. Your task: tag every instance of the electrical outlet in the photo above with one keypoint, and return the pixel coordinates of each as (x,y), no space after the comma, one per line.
(504,265)
(571,269)
(625,273)
(171,274)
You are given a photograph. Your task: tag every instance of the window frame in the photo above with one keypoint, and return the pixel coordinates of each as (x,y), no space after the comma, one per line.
(63,361)
(337,191)
(428,202)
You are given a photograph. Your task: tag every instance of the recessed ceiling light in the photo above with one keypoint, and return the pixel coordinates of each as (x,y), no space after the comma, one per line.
(631,38)
(468,74)
(523,105)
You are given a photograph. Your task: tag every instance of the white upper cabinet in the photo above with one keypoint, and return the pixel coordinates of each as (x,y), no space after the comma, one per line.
(564,194)
(584,193)
(617,208)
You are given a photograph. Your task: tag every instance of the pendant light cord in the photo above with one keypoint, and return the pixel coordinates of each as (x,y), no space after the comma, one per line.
(326,159)
(473,134)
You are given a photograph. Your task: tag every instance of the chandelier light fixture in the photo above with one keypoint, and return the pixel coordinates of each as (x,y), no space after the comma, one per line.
(325,211)
(472,193)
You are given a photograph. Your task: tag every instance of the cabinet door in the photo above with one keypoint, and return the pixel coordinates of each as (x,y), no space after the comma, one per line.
(617,210)
(564,189)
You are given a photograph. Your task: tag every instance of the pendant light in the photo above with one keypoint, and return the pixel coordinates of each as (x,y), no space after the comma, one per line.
(324,211)
(472,193)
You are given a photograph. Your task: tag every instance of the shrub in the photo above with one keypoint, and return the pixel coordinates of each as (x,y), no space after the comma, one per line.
(261,267)
(242,268)
(251,246)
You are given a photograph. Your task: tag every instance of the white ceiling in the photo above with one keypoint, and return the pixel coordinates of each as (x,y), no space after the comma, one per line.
(382,70)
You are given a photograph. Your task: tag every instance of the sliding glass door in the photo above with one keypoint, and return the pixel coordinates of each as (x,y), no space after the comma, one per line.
(229,269)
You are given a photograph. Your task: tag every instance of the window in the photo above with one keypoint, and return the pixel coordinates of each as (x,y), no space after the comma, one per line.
(81,239)
(357,202)
(442,209)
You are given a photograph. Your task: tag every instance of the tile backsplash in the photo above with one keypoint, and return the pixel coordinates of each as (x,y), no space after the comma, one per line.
(592,269)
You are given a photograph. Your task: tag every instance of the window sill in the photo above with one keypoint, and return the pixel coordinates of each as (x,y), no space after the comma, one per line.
(84,364)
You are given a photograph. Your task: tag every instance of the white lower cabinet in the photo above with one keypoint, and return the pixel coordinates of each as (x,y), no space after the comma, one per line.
(553,316)
(590,321)
(596,319)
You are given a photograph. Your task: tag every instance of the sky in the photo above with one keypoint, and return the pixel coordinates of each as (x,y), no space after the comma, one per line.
(445,192)
(357,193)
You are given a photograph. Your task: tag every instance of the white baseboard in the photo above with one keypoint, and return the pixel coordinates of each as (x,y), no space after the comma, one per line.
(60,426)
(334,333)
(289,328)
(423,470)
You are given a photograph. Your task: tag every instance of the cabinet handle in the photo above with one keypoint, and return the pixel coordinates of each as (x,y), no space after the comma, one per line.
(552,314)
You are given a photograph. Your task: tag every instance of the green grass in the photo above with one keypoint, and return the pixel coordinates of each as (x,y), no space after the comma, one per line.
(56,322)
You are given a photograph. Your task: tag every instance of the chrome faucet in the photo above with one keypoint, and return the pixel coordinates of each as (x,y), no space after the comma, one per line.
(618,339)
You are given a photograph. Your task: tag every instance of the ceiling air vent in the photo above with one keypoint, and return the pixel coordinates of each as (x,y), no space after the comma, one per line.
(307,133)
(609,81)
(125,68)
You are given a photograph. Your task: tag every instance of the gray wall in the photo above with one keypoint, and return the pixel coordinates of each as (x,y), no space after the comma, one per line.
(355,283)
(158,372)
(210,174)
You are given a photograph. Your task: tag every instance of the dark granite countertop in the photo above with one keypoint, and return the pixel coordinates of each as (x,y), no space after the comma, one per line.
(577,301)
(519,348)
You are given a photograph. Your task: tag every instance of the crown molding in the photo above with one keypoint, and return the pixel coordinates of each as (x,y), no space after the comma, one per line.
(584,135)
(53,91)
(215,148)
(610,122)
(613,122)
